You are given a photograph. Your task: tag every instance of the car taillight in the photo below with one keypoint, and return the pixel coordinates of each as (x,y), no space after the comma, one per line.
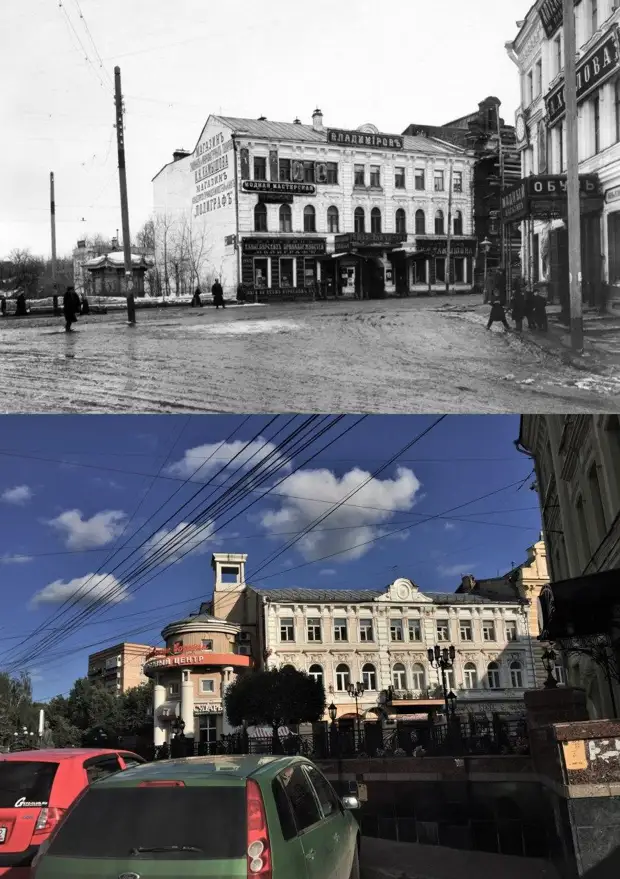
(258,850)
(47,820)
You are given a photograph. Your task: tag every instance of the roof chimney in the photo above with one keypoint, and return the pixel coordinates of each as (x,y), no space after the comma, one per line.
(296,121)
(180,154)
(317,120)
(262,118)
(468,583)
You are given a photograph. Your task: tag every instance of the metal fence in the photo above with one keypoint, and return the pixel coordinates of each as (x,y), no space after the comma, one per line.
(455,739)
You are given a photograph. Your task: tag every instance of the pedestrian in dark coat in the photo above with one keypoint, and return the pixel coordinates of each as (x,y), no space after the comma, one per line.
(20,305)
(197,301)
(540,312)
(85,305)
(69,307)
(518,309)
(218,294)
(529,310)
(498,315)
(3,306)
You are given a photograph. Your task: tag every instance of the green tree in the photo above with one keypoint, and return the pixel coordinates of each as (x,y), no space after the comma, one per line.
(92,707)
(275,698)
(137,710)
(62,732)
(16,707)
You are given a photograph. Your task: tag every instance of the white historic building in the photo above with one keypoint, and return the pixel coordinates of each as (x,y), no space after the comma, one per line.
(538,52)
(287,208)
(380,638)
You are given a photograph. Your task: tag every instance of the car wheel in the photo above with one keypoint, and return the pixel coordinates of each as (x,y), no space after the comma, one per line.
(355,866)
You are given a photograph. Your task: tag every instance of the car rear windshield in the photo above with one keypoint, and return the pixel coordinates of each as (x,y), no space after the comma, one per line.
(112,822)
(24,783)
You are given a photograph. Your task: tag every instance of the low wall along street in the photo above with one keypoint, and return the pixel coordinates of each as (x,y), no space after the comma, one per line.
(491,804)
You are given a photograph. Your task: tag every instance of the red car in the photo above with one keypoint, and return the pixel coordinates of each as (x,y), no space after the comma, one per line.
(36,789)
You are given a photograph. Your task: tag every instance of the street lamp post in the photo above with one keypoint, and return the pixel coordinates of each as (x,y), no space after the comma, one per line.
(442,658)
(356,691)
(486,246)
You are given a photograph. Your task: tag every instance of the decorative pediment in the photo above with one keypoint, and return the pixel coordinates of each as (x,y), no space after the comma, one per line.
(404,591)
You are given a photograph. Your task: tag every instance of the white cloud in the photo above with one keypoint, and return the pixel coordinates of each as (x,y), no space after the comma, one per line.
(327,572)
(193,539)
(351,525)
(449,526)
(102,588)
(100,530)
(201,462)
(18,495)
(15,559)
(456,570)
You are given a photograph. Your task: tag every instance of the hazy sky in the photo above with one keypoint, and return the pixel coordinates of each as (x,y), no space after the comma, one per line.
(81,498)
(358,60)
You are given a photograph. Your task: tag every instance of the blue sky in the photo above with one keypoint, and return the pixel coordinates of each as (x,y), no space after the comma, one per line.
(82,497)
(415,62)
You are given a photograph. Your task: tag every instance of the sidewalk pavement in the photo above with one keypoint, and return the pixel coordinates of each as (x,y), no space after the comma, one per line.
(386,859)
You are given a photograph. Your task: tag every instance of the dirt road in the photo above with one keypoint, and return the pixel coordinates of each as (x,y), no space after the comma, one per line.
(409,355)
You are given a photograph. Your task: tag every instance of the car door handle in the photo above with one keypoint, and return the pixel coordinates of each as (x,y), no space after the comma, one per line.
(311,854)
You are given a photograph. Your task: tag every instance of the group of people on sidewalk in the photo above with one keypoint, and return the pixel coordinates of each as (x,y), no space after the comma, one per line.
(217,291)
(531,307)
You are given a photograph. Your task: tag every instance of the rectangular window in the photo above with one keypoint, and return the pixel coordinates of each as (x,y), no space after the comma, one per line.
(538,78)
(31,780)
(358,171)
(457,181)
(583,541)
(439,185)
(260,272)
(511,630)
(285,169)
(415,630)
(440,270)
(308,172)
(314,629)
(366,631)
(174,689)
(617,108)
(488,630)
(399,178)
(340,629)
(286,272)
(443,630)
(375,175)
(597,503)
(596,123)
(332,220)
(558,55)
(594,17)
(260,168)
(287,629)
(310,277)
(530,87)
(332,172)
(420,179)
(465,632)
(459,270)
(396,630)
(207,686)
(206,644)
(561,145)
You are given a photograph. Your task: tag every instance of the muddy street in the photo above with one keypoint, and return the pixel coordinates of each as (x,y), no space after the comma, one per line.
(410,355)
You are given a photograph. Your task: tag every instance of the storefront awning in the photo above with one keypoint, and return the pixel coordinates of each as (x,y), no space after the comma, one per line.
(169,710)
(580,607)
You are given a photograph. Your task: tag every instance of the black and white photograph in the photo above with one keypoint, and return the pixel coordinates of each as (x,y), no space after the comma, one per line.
(309,439)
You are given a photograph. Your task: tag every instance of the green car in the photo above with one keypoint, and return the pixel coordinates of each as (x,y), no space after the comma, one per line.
(223,817)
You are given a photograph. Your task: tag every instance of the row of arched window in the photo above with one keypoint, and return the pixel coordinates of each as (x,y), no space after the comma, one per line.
(416,680)
(359,220)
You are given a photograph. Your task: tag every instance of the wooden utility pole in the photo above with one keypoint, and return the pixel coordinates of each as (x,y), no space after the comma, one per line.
(572,177)
(449,238)
(122,175)
(53,222)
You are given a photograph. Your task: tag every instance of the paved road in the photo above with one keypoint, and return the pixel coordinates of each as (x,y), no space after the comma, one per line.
(411,355)
(383,859)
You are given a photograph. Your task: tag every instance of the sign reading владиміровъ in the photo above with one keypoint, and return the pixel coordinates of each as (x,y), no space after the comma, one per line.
(343,137)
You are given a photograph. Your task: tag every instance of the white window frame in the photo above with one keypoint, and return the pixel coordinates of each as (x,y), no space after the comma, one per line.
(204,681)
(402,676)
(312,624)
(363,627)
(337,630)
(286,624)
(396,629)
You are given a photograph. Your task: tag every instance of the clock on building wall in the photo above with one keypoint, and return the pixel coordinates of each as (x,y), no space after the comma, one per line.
(521,129)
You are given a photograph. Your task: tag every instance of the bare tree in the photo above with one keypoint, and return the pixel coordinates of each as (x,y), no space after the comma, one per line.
(27,270)
(198,249)
(145,238)
(162,232)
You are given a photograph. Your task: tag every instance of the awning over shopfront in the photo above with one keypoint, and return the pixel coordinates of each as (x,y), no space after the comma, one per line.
(543,197)
(169,710)
(580,607)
